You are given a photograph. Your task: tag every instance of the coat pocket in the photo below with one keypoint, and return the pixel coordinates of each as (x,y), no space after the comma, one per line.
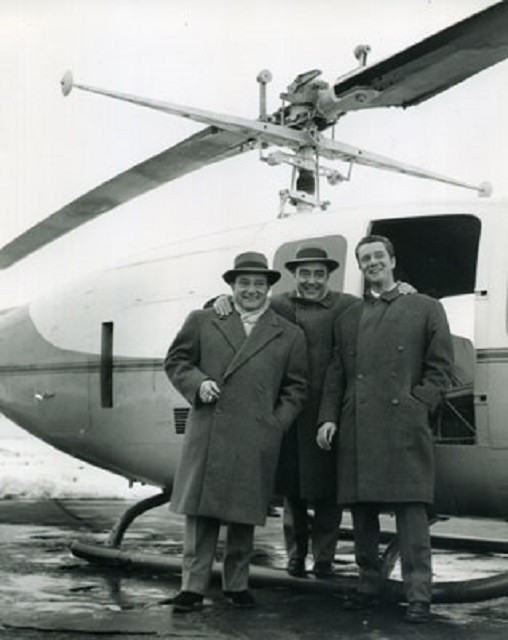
(417,402)
(410,428)
(277,423)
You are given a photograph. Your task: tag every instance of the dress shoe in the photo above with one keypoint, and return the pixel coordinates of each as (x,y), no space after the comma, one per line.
(240,599)
(186,601)
(296,568)
(418,612)
(323,570)
(358,601)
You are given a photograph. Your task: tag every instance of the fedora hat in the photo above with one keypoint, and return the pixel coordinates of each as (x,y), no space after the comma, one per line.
(311,253)
(251,262)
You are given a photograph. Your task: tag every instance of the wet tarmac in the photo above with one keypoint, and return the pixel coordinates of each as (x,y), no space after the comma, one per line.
(45,592)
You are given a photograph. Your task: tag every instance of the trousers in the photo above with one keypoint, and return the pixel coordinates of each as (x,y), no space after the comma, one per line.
(412,525)
(200,544)
(323,530)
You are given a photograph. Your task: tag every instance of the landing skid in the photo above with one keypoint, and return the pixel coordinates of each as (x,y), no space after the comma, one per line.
(110,554)
(447,592)
(118,531)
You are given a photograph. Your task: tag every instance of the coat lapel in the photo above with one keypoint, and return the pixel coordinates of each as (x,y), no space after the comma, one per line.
(231,329)
(266,329)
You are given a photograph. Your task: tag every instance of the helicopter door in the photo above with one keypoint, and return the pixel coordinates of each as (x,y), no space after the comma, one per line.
(438,255)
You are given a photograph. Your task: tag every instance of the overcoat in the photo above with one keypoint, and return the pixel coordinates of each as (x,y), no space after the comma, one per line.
(392,361)
(228,461)
(305,470)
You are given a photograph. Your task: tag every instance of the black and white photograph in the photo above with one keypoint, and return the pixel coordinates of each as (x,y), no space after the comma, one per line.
(254,319)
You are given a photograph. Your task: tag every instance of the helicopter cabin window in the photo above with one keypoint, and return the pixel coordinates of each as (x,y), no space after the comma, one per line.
(438,255)
(106,376)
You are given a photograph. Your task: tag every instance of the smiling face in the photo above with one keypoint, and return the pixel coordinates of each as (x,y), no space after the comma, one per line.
(312,280)
(250,291)
(376,265)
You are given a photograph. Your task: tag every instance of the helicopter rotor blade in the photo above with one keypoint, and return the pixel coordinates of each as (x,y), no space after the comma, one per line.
(335,150)
(407,78)
(205,147)
(260,130)
(428,67)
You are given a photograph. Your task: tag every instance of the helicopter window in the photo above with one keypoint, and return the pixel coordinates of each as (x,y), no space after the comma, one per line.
(107,365)
(438,255)
(455,421)
(335,247)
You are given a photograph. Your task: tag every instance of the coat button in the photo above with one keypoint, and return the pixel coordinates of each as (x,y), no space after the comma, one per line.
(400,347)
(395,401)
(360,376)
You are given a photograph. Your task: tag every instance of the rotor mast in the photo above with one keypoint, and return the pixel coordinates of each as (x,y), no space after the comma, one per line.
(312,107)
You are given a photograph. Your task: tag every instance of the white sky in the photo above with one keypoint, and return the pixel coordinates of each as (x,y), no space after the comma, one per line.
(207,53)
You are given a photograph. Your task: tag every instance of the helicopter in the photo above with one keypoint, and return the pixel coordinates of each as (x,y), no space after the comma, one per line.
(76,372)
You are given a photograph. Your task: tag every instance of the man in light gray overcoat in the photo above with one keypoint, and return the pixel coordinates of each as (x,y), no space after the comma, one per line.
(245,377)
(392,362)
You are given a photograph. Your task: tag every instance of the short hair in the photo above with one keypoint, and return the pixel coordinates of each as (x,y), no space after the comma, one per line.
(369,239)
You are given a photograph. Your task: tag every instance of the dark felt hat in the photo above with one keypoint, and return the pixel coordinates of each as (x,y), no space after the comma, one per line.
(251,262)
(311,253)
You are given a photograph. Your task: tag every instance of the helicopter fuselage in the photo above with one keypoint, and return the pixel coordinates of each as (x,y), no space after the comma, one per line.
(82,367)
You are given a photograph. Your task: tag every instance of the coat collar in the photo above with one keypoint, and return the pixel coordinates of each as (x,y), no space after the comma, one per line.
(387,296)
(267,328)
(231,328)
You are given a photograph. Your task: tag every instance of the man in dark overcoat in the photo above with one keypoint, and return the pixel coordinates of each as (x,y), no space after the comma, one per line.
(245,378)
(392,362)
(306,473)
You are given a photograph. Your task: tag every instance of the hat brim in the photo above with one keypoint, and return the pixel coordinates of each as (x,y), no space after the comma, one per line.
(329,262)
(271,275)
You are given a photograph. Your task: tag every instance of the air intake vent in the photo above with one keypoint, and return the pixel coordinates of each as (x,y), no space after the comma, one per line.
(180,417)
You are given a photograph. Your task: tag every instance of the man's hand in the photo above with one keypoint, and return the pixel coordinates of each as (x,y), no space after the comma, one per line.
(325,435)
(209,391)
(405,288)
(222,306)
